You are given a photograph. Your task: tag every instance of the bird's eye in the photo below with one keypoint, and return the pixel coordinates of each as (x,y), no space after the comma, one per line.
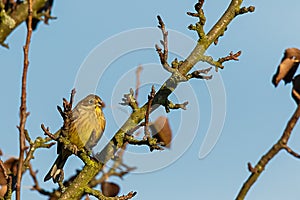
(91,101)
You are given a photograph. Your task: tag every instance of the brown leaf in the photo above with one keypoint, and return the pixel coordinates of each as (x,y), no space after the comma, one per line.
(288,66)
(11,166)
(162,131)
(292,53)
(110,189)
(3,189)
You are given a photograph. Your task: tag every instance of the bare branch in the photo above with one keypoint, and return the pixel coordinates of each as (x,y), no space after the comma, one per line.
(138,82)
(36,185)
(231,56)
(290,151)
(160,98)
(47,132)
(4,170)
(219,63)
(244,10)
(198,74)
(148,111)
(199,26)
(151,143)
(99,195)
(262,163)
(163,55)
(250,168)
(170,105)
(23,108)
(129,99)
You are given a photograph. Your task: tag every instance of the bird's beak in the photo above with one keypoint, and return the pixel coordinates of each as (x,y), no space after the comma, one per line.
(101,104)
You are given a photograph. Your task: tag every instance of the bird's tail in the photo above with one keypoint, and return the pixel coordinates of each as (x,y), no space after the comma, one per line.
(57,167)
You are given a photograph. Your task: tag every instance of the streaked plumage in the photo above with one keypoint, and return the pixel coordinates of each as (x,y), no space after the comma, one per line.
(87,126)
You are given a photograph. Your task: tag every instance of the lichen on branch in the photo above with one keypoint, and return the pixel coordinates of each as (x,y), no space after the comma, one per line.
(10,21)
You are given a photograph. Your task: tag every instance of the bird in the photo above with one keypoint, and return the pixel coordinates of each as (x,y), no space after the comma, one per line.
(288,66)
(296,89)
(86,129)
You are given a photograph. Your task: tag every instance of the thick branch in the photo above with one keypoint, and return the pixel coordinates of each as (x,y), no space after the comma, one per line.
(19,15)
(75,190)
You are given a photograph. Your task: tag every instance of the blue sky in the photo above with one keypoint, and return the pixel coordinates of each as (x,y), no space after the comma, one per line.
(256,113)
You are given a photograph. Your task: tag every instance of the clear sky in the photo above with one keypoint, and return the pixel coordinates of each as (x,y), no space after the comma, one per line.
(96,46)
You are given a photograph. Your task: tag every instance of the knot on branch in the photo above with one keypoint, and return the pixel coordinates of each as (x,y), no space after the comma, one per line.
(244,10)
(250,168)
(175,63)
(219,63)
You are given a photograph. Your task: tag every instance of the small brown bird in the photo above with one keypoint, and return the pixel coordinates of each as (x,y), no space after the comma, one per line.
(296,89)
(86,129)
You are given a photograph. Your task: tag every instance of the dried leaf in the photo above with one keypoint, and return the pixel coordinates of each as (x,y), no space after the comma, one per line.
(288,66)
(11,166)
(3,189)
(110,189)
(162,131)
(292,53)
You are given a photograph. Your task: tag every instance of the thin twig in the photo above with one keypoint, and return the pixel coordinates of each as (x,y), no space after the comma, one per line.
(262,163)
(290,151)
(23,109)
(36,183)
(148,111)
(130,100)
(99,195)
(47,132)
(138,82)
(231,56)
(163,55)
(3,168)
(199,74)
